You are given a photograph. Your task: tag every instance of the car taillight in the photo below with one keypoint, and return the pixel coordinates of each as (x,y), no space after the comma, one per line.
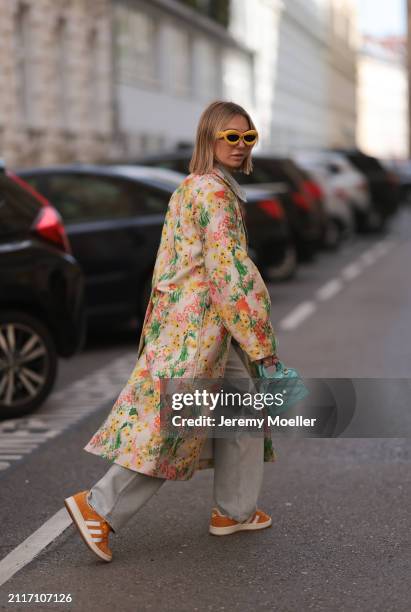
(313,189)
(273,208)
(301,200)
(49,226)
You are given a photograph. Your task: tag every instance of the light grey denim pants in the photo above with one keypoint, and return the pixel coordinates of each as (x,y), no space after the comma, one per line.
(238,472)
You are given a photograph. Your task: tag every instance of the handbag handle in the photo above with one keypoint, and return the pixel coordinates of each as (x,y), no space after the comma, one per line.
(279,368)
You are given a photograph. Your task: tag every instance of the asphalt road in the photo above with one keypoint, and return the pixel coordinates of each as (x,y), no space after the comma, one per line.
(341,534)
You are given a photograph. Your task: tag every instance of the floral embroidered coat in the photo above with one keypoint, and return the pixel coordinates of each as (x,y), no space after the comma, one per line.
(205,290)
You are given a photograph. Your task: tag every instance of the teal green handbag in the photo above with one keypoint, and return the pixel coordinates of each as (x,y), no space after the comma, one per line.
(286,381)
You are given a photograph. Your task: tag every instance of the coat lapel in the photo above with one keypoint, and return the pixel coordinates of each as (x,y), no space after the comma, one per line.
(232,183)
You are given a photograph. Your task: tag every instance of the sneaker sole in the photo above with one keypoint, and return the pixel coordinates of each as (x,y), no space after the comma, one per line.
(221,531)
(78,520)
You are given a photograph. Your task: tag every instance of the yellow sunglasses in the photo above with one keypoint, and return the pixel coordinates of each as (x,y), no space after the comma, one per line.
(233,137)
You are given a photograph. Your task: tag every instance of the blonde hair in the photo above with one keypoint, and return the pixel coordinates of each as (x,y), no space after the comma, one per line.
(213,119)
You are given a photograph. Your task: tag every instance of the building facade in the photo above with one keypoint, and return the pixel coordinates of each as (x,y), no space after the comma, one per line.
(170,61)
(342,52)
(55,80)
(257,25)
(300,98)
(115,79)
(109,79)
(382,127)
(305,70)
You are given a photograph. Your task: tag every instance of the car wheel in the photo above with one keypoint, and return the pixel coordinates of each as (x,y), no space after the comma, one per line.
(307,251)
(361,221)
(28,363)
(287,268)
(406,199)
(332,237)
(375,221)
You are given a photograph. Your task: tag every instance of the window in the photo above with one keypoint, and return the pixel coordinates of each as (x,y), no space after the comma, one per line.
(179,164)
(80,197)
(238,77)
(206,69)
(153,202)
(148,200)
(62,72)
(94,80)
(23,55)
(180,60)
(263,172)
(135,36)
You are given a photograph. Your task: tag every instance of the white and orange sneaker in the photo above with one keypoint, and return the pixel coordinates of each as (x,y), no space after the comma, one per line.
(224,525)
(93,528)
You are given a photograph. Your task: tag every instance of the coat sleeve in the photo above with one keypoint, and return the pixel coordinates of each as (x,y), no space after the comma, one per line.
(237,289)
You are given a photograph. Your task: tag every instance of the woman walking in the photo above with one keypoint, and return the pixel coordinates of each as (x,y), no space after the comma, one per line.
(208,316)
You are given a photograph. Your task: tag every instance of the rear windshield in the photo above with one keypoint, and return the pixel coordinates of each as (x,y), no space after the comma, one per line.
(365,163)
(83,197)
(267,170)
(18,208)
(179,164)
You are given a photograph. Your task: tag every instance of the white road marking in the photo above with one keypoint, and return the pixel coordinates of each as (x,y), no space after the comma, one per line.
(16,451)
(58,420)
(387,243)
(65,407)
(379,250)
(351,271)
(333,286)
(8,452)
(297,315)
(368,258)
(8,445)
(10,457)
(33,545)
(23,436)
(26,442)
(383,247)
(330,289)
(4,465)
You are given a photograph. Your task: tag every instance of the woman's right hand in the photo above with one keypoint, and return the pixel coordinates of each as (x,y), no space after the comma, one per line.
(269,361)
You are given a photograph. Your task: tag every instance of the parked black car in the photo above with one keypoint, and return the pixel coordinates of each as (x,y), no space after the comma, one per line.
(41,299)
(304,210)
(305,207)
(114,216)
(383,184)
(400,170)
(269,240)
(113,219)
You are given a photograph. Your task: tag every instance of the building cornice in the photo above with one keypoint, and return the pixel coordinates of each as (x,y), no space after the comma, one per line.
(200,22)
